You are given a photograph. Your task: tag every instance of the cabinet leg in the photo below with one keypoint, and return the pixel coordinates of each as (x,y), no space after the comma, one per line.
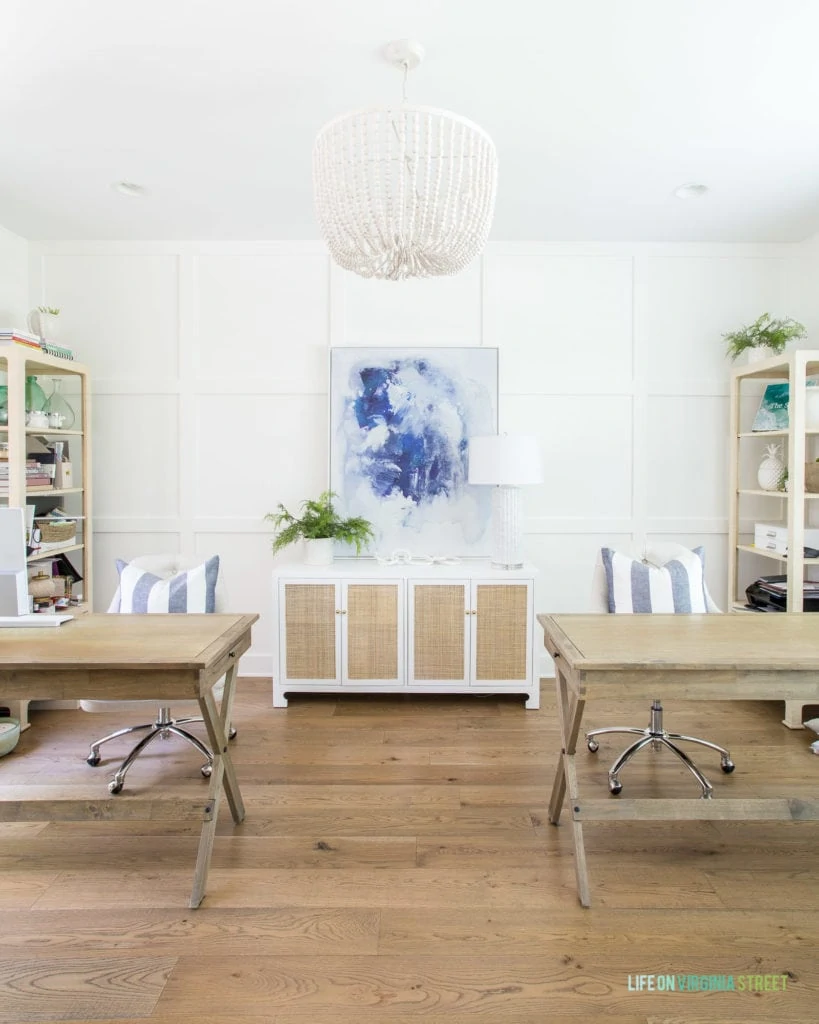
(533,700)
(793,714)
(279,699)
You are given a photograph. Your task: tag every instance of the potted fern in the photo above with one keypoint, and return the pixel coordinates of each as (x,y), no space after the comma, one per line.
(764,338)
(319,525)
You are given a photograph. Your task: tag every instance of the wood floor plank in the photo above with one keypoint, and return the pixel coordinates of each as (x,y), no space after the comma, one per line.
(75,852)
(161,932)
(354,887)
(48,990)
(485,986)
(522,931)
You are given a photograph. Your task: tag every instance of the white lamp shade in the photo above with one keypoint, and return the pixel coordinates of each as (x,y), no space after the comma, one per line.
(508,460)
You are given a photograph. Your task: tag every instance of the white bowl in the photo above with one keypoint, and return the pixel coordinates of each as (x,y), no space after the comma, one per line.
(9,734)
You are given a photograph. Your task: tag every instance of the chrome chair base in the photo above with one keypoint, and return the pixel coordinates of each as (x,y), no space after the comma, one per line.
(658,737)
(164,727)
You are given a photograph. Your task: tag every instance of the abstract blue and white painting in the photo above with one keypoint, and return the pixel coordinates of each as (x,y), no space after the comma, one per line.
(400,421)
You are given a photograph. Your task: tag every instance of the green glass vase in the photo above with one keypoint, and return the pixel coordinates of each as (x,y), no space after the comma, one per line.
(35,396)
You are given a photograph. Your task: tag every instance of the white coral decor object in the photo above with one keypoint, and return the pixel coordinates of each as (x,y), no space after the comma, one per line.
(771,470)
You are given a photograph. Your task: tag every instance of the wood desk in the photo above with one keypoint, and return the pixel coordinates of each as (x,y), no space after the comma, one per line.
(684,657)
(131,657)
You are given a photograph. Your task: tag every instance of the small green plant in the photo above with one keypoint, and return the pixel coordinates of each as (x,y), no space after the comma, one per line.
(318,521)
(51,310)
(764,331)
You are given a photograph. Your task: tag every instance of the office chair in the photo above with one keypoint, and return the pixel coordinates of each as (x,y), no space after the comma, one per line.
(612,587)
(165,725)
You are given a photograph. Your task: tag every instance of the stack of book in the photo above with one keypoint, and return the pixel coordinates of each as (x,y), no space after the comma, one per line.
(11,336)
(36,476)
(56,350)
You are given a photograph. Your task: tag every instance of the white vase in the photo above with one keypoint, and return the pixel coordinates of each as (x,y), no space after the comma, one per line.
(44,324)
(318,552)
(49,326)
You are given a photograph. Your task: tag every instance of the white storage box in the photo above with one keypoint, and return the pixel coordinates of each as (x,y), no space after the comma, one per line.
(774,537)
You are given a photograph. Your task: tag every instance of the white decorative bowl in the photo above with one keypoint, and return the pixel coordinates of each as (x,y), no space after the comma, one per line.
(9,734)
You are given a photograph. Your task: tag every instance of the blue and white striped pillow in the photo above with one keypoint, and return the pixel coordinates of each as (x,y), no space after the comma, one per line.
(677,586)
(141,592)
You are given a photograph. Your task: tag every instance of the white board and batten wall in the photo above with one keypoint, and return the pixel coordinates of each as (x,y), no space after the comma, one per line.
(210,401)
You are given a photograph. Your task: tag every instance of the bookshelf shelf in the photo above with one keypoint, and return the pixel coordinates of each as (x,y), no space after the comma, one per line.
(40,556)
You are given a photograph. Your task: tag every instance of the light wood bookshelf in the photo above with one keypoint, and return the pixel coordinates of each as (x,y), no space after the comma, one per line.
(791,507)
(16,363)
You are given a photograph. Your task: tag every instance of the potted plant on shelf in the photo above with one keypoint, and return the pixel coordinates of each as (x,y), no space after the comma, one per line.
(764,338)
(318,525)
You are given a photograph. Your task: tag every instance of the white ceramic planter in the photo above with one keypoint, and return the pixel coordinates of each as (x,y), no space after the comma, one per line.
(758,355)
(318,552)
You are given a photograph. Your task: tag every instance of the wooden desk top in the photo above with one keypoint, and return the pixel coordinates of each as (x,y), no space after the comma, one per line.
(769,642)
(121,642)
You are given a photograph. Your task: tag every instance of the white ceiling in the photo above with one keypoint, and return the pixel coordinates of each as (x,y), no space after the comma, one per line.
(599,109)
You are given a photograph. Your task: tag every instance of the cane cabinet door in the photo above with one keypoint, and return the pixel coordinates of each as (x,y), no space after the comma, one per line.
(372,617)
(311,641)
(501,647)
(438,631)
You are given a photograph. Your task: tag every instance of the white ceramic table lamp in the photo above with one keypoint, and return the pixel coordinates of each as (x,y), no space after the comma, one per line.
(507,462)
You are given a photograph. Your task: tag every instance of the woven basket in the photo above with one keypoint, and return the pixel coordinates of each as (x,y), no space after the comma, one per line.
(812,477)
(51,533)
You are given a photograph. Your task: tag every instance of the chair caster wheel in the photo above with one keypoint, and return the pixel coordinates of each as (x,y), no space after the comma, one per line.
(115,786)
(94,759)
(593,745)
(727,766)
(232,734)
(206,770)
(615,787)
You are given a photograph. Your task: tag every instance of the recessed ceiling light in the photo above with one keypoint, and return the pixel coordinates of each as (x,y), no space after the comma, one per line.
(129,188)
(691,190)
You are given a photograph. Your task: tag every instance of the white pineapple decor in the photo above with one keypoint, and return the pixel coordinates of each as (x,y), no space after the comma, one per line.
(771,472)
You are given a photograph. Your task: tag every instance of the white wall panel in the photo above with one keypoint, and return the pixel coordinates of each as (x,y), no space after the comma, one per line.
(560,322)
(687,458)
(119,311)
(683,305)
(246,564)
(256,450)
(429,311)
(586,447)
(135,451)
(270,312)
(14,281)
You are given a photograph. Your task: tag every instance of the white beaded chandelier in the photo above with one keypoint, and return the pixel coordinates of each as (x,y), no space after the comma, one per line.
(404,191)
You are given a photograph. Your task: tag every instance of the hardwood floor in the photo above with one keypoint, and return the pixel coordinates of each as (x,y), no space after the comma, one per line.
(397,865)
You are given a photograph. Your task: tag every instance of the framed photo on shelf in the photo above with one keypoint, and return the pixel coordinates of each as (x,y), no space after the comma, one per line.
(772,413)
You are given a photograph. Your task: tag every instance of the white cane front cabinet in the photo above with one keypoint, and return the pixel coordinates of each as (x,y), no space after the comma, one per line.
(362,627)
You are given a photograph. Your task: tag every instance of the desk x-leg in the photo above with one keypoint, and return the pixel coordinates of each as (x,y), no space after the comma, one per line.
(570,712)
